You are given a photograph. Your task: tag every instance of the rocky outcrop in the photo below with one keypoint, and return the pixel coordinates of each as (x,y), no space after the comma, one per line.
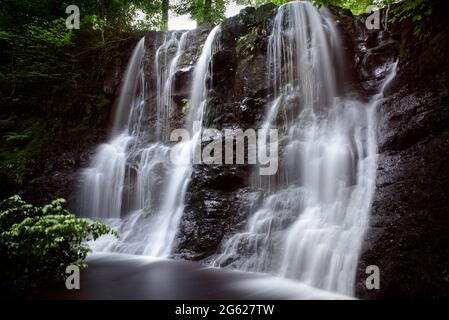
(408,237)
(181,80)
(219,197)
(56,175)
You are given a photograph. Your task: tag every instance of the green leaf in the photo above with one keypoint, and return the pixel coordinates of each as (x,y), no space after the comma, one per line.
(38,243)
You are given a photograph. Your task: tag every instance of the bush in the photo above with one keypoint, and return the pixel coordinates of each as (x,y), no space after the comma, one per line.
(38,243)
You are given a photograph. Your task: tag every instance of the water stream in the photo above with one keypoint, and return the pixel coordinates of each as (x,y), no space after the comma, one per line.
(315,211)
(311,223)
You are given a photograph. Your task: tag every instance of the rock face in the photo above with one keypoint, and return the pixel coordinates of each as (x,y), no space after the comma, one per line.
(218,197)
(57,174)
(409,235)
(408,238)
(182,78)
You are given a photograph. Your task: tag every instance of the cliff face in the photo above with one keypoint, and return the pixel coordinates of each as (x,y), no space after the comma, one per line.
(54,157)
(408,238)
(409,229)
(218,195)
(218,198)
(409,234)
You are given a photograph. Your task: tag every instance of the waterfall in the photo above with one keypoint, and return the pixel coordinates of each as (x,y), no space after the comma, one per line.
(198,92)
(131,90)
(166,70)
(103,183)
(315,212)
(173,204)
(132,183)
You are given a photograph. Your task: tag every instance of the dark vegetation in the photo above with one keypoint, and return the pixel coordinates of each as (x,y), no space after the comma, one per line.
(38,243)
(55,84)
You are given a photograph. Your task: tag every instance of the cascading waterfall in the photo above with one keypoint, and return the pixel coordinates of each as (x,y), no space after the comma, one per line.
(173,205)
(198,92)
(103,183)
(129,183)
(314,215)
(132,183)
(166,69)
(311,221)
(131,91)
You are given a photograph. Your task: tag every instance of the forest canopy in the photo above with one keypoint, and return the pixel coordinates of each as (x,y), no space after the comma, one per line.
(125,15)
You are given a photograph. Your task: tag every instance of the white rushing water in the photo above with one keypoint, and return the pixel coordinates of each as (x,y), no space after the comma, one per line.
(131,182)
(166,70)
(170,213)
(311,223)
(103,183)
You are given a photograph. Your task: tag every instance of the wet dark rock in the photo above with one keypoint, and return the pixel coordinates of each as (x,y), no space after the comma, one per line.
(409,225)
(194,44)
(113,74)
(413,117)
(218,197)
(181,85)
(56,176)
(210,215)
(408,238)
(224,63)
(153,40)
(409,234)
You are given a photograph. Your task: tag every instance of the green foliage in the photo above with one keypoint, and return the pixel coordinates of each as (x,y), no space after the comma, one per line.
(258,3)
(203,11)
(39,60)
(405,9)
(114,14)
(14,210)
(356,6)
(54,33)
(165,6)
(415,10)
(51,78)
(38,243)
(4,35)
(17,137)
